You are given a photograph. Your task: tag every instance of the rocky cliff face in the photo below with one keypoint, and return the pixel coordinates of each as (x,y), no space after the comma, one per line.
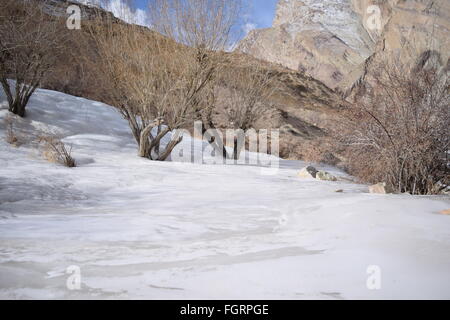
(331,40)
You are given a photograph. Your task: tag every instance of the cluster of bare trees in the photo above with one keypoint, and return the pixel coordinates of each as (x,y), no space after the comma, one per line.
(160,80)
(397,131)
(29,42)
(165,80)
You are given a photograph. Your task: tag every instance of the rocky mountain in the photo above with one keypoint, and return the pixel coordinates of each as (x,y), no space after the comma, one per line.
(331,40)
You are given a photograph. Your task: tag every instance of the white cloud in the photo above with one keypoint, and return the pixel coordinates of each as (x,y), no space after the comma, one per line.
(121,10)
(249,27)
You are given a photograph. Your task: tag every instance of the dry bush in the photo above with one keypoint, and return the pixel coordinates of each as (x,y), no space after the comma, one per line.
(319,150)
(397,131)
(288,149)
(11,135)
(54,150)
(244,91)
(29,42)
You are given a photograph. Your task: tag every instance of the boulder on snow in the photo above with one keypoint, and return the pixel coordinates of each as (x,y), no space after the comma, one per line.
(308,172)
(325,176)
(380,188)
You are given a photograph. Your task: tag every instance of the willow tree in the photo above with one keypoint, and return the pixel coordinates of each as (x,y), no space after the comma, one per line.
(160,79)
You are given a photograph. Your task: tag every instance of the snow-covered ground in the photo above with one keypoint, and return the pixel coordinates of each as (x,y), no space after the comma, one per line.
(142,229)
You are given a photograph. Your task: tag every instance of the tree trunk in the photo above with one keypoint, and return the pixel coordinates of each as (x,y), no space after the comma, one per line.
(15,105)
(135,130)
(169,148)
(7,90)
(155,143)
(159,142)
(144,144)
(17,108)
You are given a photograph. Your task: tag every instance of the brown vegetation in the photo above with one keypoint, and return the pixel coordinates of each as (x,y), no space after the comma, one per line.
(244,92)
(397,131)
(54,150)
(161,82)
(301,107)
(29,42)
(11,135)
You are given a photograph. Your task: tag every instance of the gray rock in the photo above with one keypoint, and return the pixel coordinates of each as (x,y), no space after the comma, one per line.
(308,172)
(325,176)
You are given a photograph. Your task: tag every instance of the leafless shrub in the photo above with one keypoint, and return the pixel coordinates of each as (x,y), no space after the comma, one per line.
(54,150)
(397,131)
(11,135)
(318,150)
(29,41)
(288,149)
(244,92)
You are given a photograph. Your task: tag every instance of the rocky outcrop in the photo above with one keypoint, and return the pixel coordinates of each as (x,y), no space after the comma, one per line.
(325,176)
(425,24)
(332,40)
(323,38)
(313,173)
(308,172)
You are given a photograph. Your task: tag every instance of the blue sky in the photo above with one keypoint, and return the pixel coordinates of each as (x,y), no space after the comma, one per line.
(260,12)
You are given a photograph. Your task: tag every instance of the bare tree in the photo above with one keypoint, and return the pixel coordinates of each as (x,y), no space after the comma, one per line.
(158,82)
(397,131)
(207,27)
(139,80)
(29,41)
(245,90)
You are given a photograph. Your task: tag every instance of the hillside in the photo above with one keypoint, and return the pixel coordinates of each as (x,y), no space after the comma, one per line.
(305,108)
(171,230)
